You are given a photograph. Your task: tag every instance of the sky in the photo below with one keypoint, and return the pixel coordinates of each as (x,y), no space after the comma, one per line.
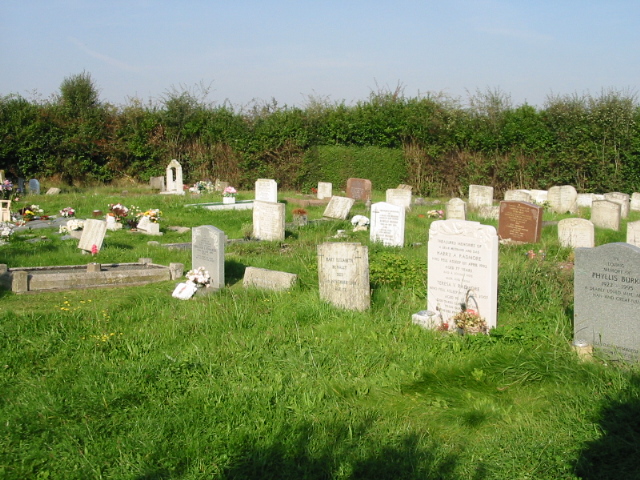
(247,52)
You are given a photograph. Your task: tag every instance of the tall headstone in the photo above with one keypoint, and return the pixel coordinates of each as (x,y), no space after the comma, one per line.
(93,234)
(462,263)
(268,220)
(399,196)
(325,190)
(576,233)
(607,300)
(633,233)
(338,207)
(174,184)
(456,209)
(34,186)
(387,224)
(343,275)
(563,199)
(635,202)
(518,196)
(207,250)
(520,222)
(359,189)
(480,196)
(622,199)
(606,214)
(266,190)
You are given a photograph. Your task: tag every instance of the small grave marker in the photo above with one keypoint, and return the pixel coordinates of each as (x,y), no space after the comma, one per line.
(400,197)
(268,279)
(34,187)
(456,209)
(325,190)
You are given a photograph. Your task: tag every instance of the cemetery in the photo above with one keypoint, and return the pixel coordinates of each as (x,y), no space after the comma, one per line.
(491,335)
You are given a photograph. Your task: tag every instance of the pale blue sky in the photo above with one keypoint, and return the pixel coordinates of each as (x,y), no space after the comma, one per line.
(333,50)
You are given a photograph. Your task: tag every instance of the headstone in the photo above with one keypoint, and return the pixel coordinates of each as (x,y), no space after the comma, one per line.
(633,233)
(400,197)
(491,212)
(520,222)
(268,220)
(174,184)
(607,300)
(325,190)
(402,186)
(219,185)
(622,199)
(606,214)
(93,234)
(584,200)
(462,262)
(456,209)
(359,189)
(21,185)
(387,224)
(576,233)
(266,190)
(34,187)
(518,196)
(1,176)
(338,207)
(112,223)
(343,275)
(268,279)
(480,196)
(147,226)
(157,183)
(635,202)
(563,199)
(207,250)
(539,196)
(53,191)
(5,210)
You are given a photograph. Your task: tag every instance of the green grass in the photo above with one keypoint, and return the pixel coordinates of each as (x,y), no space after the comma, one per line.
(129,383)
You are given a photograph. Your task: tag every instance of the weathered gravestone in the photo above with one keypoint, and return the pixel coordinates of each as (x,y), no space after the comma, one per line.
(174,184)
(400,197)
(387,224)
(207,250)
(219,185)
(268,220)
(456,209)
(157,183)
(539,196)
(622,199)
(338,207)
(34,187)
(606,214)
(480,196)
(563,199)
(585,200)
(462,263)
(5,210)
(491,212)
(576,233)
(520,222)
(93,234)
(325,190)
(53,191)
(359,189)
(518,196)
(1,176)
(607,300)
(266,190)
(635,202)
(343,275)
(633,233)
(268,279)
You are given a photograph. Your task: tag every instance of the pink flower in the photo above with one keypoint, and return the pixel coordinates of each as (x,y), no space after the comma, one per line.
(94,249)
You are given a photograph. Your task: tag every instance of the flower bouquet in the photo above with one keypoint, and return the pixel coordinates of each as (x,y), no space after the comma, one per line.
(153,214)
(199,277)
(435,213)
(72,225)
(67,212)
(229,195)
(6,230)
(30,212)
(469,321)
(118,210)
(6,190)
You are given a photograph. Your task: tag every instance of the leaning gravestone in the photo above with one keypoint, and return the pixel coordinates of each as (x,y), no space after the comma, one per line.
(34,187)
(359,189)
(576,233)
(606,214)
(268,220)
(207,250)
(387,224)
(325,190)
(266,190)
(518,196)
(399,196)
(480,196)
(93,233)
(563,199)
(53,191)
(174,184)
(456,209)
(462,263)
(633,233)
(635,202)
(607,300)
(147,226)
(268,279)
(520,222)
(343,275)
(622,199)
(338,207)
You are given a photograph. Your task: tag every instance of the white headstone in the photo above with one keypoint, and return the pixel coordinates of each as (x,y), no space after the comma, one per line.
(147,226)
(635,202)
(325,190)
(266,190)
(584,200)
(112,223)
(456,209)
(174,184)
(622,199)
(576,233)
(338,207)
(633,233)
(93,234)
(489,212)
(387,224)
(53,191)
(207,250)
(343,275)
(5,210)
(538,196)
(563,199)
(400,197)
(518,196)
(462,262)
(606,214)
(268,220)
(480,196)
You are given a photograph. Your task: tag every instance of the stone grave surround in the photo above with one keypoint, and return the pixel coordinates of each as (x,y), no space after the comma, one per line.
(606,214)
(576,233)
(387,224)
(520,222)
(207,250)
(343,275)
(338,207)
(268,220)
(359,189)
(266,190)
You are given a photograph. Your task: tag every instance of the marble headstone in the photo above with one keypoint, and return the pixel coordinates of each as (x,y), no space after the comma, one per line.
(585,200)
(343,275)
(518,196)
(563,199)
(480,196)
(606,214)
(207,250)
(622,199)
(268,220)
(93,234)
(399,196)
(456,209)
(338,207)
(266,190)
(387,224)
(325,190)
(633,233)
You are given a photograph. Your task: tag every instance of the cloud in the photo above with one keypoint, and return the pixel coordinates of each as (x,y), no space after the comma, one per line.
(105,58)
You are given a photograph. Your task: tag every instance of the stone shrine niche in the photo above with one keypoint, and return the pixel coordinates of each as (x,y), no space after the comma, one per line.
(174,183)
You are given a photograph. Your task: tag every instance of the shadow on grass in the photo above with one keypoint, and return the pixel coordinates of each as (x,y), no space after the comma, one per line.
(616,454)
(233,271)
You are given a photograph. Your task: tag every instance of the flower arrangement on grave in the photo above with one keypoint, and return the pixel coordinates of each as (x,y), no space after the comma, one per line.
(67,212)
(6,190)
(199,277)
(118,210)
(154,215)
(72,225)
(30,212)
(229,192)
(435,213)
(202,186)
(6,230)
(469,321)
(299,211)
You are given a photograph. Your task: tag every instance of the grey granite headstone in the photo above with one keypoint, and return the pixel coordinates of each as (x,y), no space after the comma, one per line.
(268,220)
(343,275)
(607,300)
(93,234)
(34,186)
(21,184)
(207,250)
(387,224)
(338,207)
(268,279)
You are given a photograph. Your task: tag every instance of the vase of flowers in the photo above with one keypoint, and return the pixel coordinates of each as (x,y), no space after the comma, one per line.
(199,277)
(118,211)
(300,217)
(229,195)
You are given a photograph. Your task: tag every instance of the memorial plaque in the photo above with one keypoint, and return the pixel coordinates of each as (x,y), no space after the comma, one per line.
(633,233)
(480,196)
(207,250)
(622,199)
(338,207)
(268,279)
(268,220)
(400,197)
(462,262)
(520,222)
(456,209)
(266,190)
(635,202)
(563,199)
(606,214)
(359,189)
(576,233)
(607,300)
(387,224)
(93,234)
(325,190)
(518,196)
(343,275)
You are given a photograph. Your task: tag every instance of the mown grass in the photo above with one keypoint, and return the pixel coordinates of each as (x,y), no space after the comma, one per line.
(131,383)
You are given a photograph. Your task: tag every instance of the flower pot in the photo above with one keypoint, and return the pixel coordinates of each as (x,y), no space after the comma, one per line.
(228,200)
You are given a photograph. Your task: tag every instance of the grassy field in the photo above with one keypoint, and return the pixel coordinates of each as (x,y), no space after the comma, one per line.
(129,383)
